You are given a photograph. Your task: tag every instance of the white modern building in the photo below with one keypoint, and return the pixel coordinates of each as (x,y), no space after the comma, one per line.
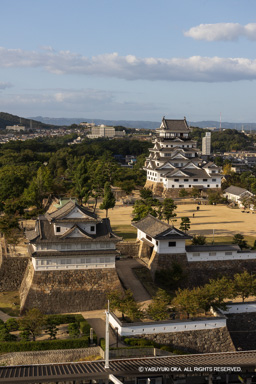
(105,131)
(206,144)
(174,162)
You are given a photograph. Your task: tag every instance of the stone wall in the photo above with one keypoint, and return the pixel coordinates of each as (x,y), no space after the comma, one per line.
(12,269)
(67,291)
(49,357)
(128,249)
(199,273)
(204,341)
(157,188)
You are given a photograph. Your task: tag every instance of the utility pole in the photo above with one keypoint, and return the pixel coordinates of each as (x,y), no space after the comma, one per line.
(107,339)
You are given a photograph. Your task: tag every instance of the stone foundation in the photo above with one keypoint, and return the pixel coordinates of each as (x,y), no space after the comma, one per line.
(67,291)
(12,269)
(128,249)
(159,190)
(204,341)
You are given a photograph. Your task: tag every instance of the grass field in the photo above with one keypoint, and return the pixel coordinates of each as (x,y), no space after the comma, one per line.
(10,303)
(223,221)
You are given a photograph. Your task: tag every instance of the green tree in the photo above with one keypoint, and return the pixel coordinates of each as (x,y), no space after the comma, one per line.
(40,187)
(185,224)
(186,300)
(183,192)
(141,209)
(220,289)
(32,322)
(239,240)
(199,240)
(167,210)
(109,200)
(124,302)
(243,285)
(146,194)
(51,328)
(159,308)
(170,278)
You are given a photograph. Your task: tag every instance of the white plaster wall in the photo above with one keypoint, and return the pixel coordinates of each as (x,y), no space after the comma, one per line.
(154,328)
(170,183)
(220,255)
(240,308)
(71,263)
(163,246)
(75,246)
(65,227)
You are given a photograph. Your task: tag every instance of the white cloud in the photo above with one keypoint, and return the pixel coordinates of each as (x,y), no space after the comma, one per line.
(222,32)
(195,68)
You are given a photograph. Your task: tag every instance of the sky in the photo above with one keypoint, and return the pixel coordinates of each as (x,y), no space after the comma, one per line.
(129,60)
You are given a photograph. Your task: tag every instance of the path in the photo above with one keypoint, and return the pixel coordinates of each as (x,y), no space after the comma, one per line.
(130,281)
(4,316)
(96,319)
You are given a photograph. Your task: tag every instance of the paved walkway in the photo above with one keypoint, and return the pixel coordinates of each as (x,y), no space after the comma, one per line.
(129,279)
(4,316)
(97,320)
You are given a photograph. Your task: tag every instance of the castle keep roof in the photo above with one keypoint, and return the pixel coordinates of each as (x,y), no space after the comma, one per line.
(174,125)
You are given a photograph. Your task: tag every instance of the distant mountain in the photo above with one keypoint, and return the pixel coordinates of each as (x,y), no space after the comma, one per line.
(140,124)
(125,123)
(9,119)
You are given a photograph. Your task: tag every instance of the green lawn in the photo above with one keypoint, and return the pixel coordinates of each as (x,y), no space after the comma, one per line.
(10,303)
(127,232)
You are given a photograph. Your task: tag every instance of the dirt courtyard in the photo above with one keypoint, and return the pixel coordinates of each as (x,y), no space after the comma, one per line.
(223,220)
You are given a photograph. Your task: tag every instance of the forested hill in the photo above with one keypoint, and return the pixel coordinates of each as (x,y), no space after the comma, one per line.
(8,119)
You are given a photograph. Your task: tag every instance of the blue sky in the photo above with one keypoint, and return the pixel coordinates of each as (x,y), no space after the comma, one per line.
(133,60)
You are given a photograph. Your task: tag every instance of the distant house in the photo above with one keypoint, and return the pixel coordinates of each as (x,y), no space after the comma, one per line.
(237,194)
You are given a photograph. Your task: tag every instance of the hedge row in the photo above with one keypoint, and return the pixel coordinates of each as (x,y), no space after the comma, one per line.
(44,345)
(65,319)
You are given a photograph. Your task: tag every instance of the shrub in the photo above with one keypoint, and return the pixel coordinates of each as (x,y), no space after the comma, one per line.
(85,328)
(102,343)
(73,330)
(12,324)
(44,345)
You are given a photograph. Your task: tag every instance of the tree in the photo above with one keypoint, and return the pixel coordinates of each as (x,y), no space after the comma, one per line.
(167,210)
(220,289)
(51,329)
(124,302)
(39,188)
(199,240)
(185,224)
(183,192)
(239,240)
(146,194)
(243,284)
(158,309)
(195,193)
(187,301)
(32,322)
(141,209)
(170,278)
(109,200)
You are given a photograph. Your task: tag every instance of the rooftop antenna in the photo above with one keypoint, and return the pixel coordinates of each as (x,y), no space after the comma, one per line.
(220,121)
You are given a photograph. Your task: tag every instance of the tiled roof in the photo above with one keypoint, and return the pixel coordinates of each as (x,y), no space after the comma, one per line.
(60,213)
(45,234)
(158,229)
(212,248)
(237,191)
(175,125)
